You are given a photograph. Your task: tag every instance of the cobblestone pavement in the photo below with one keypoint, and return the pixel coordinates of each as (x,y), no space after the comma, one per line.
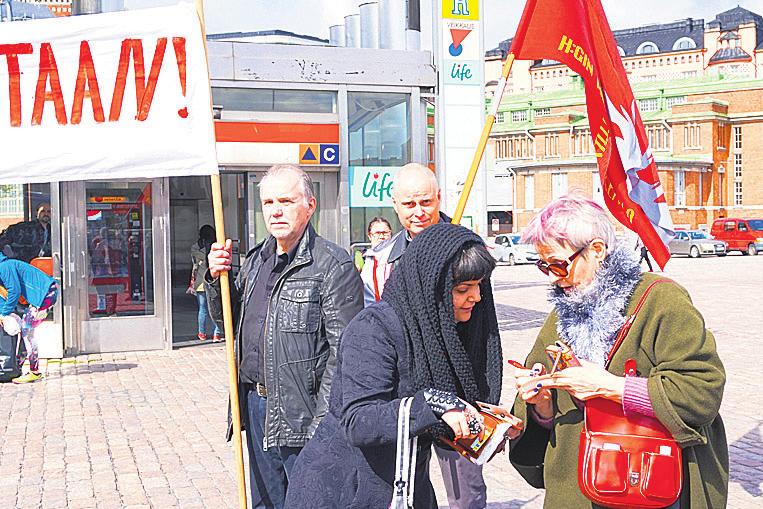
(145,430)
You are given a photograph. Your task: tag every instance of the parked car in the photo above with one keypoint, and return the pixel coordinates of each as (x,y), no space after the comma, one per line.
(745,235)
(696,243)
(507,248)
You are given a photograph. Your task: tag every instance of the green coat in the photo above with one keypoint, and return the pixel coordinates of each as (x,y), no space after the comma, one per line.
(673,349)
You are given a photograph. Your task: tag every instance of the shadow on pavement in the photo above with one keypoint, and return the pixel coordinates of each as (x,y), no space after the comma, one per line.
(95,367)
(516,318)
(746,461)
(509,504)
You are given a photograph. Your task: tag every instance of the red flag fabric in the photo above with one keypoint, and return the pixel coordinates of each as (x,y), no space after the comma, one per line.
(577,34)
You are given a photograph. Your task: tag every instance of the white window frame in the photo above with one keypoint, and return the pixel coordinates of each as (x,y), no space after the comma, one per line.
(529,192)
(677,44)
(692,136)
(647,44)
(737,137)
(679,188)
(738,193)
(519,116)
(558,185)
(651,104)
(552,145)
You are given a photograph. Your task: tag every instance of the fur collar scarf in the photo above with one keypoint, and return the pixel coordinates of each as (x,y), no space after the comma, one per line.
(590,317)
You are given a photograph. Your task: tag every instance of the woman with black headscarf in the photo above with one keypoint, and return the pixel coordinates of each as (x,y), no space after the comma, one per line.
(434,336)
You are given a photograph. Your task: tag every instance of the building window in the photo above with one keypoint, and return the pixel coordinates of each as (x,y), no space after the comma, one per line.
(581,142)
(737,166)
(692,136)
(689,74)
(738,137)
(648,104)
(530,192)
(11,201)
(518,146)
(621,51)
(659,136)
(558,184)
(738,193)
(543,112)
(278,100)
(646,48)
(552,145)
(499,117)
(722,133)
(519,116)
(679,185)
(671,101)
(684,43)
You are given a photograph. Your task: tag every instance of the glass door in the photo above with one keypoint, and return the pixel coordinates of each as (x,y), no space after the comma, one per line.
(30,230)
(118,275)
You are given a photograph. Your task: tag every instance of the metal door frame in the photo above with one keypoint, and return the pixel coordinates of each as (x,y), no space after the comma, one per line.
(112,334)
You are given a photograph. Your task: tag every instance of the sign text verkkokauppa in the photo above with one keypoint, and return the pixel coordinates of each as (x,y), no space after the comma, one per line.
(118,95)
(582,40)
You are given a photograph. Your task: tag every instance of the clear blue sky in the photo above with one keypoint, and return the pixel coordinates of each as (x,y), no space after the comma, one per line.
(313,17)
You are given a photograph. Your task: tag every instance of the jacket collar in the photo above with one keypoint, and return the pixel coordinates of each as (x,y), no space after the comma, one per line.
(402,239)
(303,252)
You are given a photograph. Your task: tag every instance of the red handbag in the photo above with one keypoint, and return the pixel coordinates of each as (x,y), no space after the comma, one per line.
(628,462)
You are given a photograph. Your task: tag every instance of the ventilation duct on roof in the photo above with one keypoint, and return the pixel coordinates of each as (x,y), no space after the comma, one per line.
(369,25)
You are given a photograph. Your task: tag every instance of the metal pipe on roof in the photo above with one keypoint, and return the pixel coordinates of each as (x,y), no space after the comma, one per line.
(336,35)
(392,24)
(352,30)
(369,25)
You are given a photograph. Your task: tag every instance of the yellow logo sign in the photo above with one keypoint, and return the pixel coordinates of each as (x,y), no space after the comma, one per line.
(309,153)
(461,9)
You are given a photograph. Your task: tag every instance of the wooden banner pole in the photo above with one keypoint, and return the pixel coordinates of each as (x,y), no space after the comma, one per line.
(458,214)
(235,408)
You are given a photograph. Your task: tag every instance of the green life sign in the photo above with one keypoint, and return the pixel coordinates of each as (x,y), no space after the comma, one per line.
(371,186)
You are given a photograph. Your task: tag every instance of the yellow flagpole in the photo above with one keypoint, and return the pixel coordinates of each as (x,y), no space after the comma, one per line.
(235,409)
(458,214)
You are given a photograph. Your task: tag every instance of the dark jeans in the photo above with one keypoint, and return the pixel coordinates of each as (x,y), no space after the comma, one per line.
(268,469)
(463,480)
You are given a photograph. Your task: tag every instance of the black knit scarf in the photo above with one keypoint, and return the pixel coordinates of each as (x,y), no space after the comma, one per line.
(466,358)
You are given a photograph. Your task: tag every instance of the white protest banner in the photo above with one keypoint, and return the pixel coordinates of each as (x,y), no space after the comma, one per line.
(106,96)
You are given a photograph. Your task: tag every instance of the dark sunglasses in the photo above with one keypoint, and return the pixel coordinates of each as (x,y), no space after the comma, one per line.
(559,269)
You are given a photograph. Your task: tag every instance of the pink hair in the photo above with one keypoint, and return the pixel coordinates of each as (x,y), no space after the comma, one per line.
(572,219)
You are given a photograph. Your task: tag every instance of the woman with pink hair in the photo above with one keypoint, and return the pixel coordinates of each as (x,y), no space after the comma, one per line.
(596,284)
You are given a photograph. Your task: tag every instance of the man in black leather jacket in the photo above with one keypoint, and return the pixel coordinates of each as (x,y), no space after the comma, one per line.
(292,299)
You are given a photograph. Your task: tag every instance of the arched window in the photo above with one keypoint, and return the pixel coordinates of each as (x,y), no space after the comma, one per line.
(647,47)
(621,51)
(684,43)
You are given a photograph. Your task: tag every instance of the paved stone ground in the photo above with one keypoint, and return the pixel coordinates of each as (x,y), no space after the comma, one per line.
(145,430)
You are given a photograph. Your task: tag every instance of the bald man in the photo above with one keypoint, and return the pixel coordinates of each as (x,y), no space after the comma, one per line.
(416,199)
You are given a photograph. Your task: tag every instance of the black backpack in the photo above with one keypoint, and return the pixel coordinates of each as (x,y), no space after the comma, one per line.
(9,351)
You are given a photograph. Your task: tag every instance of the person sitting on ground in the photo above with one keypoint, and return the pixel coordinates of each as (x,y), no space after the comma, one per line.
(20,279)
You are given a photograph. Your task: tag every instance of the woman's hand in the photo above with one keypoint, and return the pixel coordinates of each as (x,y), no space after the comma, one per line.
(458,421)
(588,381)
(219,258)
(533,391)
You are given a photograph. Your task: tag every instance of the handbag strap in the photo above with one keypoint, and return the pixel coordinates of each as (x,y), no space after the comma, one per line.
(405,461)
(627,325)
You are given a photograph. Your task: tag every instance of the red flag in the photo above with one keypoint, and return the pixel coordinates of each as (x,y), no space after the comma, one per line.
(577,34)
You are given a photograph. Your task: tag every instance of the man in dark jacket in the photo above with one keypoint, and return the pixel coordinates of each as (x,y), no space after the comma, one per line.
(293,297)
(28,239)
(416,198)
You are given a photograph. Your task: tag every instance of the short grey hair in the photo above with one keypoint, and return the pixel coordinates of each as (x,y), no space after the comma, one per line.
(308,189)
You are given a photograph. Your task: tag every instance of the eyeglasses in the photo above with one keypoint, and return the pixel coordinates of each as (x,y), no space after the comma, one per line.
(559,269)
(380,234)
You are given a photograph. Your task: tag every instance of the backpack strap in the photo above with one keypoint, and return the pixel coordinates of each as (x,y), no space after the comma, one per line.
(627,325)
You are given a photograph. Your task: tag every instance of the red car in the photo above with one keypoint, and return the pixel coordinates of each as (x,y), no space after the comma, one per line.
(745,235)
